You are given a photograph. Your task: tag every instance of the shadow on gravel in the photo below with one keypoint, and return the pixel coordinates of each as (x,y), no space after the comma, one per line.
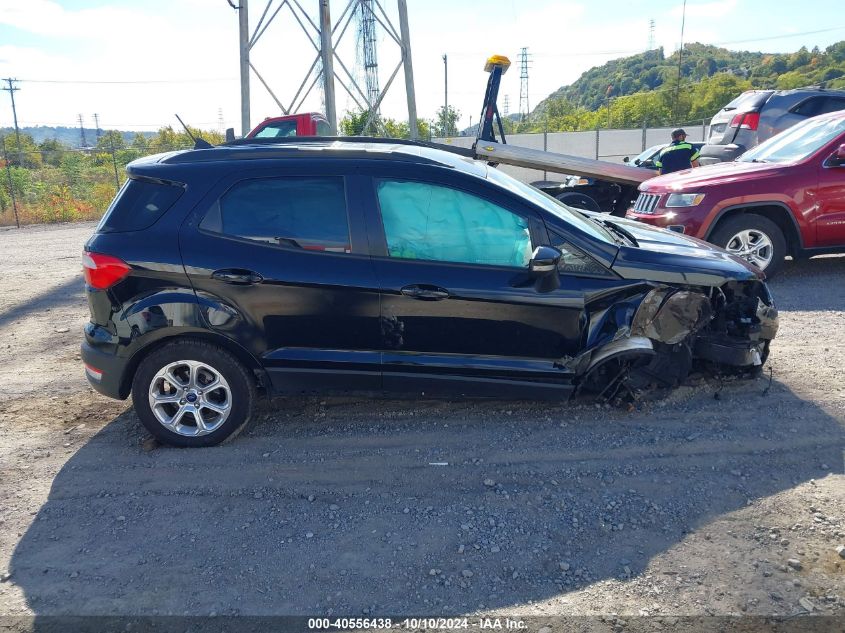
(65,294)
(811,284)
(353,507)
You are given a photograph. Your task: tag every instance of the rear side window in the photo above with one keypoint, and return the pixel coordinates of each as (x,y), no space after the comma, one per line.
(307,213)
(819,105)
(323,129)
(138,205)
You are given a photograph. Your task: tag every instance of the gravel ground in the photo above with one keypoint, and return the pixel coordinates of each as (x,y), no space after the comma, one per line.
(713,499)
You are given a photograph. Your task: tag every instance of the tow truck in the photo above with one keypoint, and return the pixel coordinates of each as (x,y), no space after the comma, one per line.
(497,151)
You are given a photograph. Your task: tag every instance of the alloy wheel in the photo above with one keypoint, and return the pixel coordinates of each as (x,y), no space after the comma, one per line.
(190,398)
(753,246)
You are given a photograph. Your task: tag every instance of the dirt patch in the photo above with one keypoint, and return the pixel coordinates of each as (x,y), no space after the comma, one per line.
(688,505)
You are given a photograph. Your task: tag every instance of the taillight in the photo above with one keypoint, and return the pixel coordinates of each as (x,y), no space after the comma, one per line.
(746,120)
(103,271)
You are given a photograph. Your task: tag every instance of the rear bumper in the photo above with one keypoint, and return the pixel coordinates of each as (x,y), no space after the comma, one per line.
(711,154)
(104,371)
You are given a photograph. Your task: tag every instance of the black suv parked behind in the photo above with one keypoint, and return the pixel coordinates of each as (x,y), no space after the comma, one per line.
(352,264)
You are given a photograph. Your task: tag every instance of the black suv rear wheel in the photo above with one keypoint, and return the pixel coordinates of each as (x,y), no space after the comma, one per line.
(192,394)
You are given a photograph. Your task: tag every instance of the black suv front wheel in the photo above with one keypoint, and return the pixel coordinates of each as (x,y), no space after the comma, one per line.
(192,394)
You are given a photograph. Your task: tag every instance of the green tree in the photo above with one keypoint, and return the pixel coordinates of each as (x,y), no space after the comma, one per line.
(111,140)
(446,122)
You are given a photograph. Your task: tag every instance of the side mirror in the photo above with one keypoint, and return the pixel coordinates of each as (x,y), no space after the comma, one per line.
(230,134)
(544,260)
(626,160)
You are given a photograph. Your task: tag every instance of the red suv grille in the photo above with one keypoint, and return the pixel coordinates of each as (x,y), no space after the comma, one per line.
(646,203)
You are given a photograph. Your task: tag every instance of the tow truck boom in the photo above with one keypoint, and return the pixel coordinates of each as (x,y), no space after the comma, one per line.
(486,147)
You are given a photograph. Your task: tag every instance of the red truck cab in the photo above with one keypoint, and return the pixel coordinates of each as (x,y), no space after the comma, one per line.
(304,124)
(784,197)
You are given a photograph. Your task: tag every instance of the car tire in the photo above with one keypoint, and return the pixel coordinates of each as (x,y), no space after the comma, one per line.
(755,238)
(579,201)
(192,394)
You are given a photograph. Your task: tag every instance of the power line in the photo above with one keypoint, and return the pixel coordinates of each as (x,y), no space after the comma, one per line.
(635,51)
(120,82)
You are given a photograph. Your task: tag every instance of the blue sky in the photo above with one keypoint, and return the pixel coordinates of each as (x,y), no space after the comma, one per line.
(183,53)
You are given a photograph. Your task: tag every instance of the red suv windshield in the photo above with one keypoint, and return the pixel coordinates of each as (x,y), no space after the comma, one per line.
(796,143)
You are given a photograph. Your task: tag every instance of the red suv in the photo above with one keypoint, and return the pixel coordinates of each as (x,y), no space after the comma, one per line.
(784,197)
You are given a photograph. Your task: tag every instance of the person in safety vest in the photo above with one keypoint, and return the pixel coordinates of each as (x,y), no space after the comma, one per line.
(677,155)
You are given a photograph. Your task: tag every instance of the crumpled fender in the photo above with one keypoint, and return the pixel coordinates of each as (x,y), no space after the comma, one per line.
(669,315)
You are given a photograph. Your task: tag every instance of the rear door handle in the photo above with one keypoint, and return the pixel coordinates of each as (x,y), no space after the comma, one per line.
(237,276)
(425,292)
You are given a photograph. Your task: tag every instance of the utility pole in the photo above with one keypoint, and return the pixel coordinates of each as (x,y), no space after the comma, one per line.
(243,29)
(82,133)
(98,132)
(11,90)
(327,55)
(446,129)
(680,58)
(409,69)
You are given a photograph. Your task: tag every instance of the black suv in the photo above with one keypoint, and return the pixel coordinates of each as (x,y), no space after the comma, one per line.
(365,265)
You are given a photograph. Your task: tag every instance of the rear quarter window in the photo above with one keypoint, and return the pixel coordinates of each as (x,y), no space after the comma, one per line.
(139,205)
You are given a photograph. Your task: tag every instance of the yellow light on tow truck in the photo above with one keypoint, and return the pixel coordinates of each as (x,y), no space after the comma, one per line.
(497,60)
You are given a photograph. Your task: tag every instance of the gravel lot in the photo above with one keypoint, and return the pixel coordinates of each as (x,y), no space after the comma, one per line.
(712,499)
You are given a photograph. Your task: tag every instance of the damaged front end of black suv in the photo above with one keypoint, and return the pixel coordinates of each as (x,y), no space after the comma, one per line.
(656,334)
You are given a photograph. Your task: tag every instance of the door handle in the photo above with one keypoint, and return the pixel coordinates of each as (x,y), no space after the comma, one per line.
(237,276)
(426,293)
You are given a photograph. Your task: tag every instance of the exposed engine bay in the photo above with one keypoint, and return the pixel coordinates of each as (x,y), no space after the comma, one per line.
(656,337)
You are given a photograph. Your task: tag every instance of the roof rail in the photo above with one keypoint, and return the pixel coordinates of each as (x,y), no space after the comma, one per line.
(304,140)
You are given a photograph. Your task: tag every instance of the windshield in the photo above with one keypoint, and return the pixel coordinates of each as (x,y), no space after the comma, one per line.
(796,143)
(552,205)
(649,153)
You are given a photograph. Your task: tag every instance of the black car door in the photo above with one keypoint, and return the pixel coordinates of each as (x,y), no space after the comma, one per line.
(279,262)
(460,311)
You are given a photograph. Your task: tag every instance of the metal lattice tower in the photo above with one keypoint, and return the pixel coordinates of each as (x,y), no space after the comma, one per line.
(651,34)
(367,43)
(507,106)
(83,140)
(325,35)
(523,83)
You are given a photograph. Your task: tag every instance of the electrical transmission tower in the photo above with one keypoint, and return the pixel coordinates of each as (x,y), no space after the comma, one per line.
(98,132)
(524,59)
(83,141)
(651,34)
(325,36)
(367,44)
(507,106)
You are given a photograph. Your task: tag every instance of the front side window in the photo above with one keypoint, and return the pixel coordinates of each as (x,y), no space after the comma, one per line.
(306,213)
(436,223)
(573,260)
